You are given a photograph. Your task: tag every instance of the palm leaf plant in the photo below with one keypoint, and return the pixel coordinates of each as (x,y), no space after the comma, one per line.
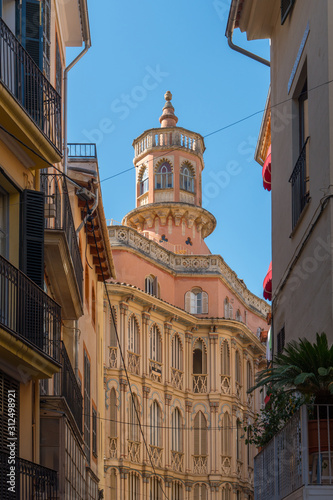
(304,367)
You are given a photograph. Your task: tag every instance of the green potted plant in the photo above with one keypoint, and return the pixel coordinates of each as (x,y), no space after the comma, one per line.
(307,369)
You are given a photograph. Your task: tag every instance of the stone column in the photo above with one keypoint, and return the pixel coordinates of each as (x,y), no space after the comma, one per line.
(146,428)
(145,344)
(123,434)
(123,331)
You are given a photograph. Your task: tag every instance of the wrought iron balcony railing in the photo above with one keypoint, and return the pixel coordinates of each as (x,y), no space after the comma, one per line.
(299,456)
(27,84)
(59,217)
(298,179)
(29,312)
(30,480)
(66,385)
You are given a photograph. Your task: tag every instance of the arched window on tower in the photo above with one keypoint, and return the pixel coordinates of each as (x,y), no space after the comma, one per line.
(187,178)
(144,181)
(151,285)
(164,176)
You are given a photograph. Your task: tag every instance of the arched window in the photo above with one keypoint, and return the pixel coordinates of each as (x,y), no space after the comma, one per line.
(151,285)
(225,358)
(113,326)
(177,431)
(200,492)
(155,425)
(238,368)
(187,178)
(134,428)
(226,432)
(176,353)
(86,284)
(155,489)
(199,358)
(238,315)
(176,491)
(226,493)
(133,335)
(200,434)
(196,301)
(155,344)
(228,309)
(113,484)
(133,486)
(144,181)
(249,376)
(238,440)
(164,176)
(113,416)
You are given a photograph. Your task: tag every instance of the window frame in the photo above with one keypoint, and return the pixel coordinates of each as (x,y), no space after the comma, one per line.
(164,176)
(186,180)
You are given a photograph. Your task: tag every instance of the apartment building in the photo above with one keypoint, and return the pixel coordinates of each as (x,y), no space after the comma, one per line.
(181,338)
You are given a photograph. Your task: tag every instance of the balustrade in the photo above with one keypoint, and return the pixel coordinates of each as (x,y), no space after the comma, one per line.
(177,378)
(134,448)
(200,383)
(133,363)
(225,384)
(156,455)
(177,461)
(200,464)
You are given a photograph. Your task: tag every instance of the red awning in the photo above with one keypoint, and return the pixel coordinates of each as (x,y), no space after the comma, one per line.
(268,284)
(266,171)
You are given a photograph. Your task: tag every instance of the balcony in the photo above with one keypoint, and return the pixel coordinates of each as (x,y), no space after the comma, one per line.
(156,455)
(28,98)
(79,151)
(31,480)
(298,461)
(62,254)
(177,461)
(299,183)
(200,464)
(133,449)
(30,316)
(177,377)
(168,138)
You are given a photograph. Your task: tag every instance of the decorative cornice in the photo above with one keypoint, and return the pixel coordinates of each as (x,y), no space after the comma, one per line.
(204,221)
(125,237)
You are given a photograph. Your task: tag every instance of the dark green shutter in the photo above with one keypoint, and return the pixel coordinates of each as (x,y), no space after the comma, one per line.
(31,30)
(32,235)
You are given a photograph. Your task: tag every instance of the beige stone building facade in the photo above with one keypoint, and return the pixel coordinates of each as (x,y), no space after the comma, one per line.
(181,331)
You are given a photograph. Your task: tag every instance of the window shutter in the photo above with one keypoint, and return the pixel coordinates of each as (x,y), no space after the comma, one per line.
(193,303)
(188,301)
(155,287)
(113,408)
(203,435)
(47,38)
(32,235)
(113,336)
(30,30)
(231,311)
(204,303)
(197,434)
(226,309)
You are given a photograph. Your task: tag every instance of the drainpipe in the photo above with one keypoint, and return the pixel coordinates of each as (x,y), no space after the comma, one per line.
(87,45)
(230,31)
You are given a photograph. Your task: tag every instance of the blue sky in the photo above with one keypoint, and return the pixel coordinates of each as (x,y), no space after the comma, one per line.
(182,46)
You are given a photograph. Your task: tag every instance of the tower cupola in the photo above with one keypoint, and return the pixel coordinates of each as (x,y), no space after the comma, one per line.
(169,164)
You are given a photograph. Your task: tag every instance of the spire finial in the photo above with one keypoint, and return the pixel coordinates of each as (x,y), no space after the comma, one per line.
(168,118)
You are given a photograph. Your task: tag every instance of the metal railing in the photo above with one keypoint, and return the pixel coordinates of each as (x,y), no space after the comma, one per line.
(298,179)
(29,480)
(29,312)
(27,84)
(66,385)
(301,454)
(82,150)
(59,217)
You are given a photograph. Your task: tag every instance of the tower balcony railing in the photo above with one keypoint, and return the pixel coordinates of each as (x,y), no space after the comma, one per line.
(31,480)
(200,383)
(156,453)
(59,217)
(133,362)
(27,311)
(177,461)
(200,463)
(80,150)
(31,89)
(159,138)
(155,370)
(177,378)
